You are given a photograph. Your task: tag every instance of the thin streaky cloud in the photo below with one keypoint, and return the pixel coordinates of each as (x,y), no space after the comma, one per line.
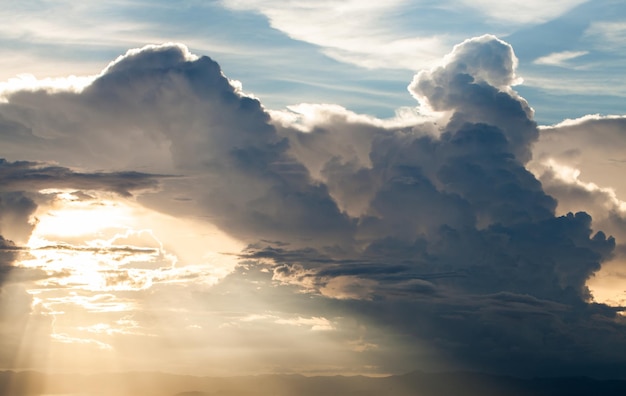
(361,33)
(559,58)
(607,35)
(523,11)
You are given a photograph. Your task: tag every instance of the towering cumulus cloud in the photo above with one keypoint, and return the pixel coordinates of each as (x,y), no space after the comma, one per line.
(461,247)
(434,233)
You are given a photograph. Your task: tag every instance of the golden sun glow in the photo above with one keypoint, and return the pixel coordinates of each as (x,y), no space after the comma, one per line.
(76,243)
(106,243)
(98,256)
(69,216)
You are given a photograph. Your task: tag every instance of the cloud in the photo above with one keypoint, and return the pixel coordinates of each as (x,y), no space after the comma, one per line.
(16,209)
(475,82)
(592,145)
(26,82)
(315,323)
(22,189)
(523,12)
(370,34)
(599,84)
(160,108)
(455,231)
(433,234)
(180,114)
(350,31)
(607,35)
(559,58)
(24,185)
(580,163)
(33,177)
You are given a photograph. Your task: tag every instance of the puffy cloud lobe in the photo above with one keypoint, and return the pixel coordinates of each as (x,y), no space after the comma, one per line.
(475,84)
(580,162)
(594,145)
(472,168)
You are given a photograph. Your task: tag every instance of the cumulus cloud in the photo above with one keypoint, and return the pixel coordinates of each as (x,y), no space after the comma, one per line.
(475,82)
(163,109)
(436,231)
(580,163)
(452,225)
(593,144)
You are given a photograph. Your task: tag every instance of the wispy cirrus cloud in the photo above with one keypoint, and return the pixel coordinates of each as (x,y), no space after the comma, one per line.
(356,32)
(607,35)
(523,12)
(559,58)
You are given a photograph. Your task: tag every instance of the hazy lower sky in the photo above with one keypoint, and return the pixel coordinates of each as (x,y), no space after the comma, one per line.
(317,187)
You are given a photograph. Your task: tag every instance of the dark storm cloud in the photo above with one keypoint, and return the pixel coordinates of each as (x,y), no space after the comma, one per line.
(8,254)
(436,232)
(16,208)
(498,280)
(550,259)
(32,176)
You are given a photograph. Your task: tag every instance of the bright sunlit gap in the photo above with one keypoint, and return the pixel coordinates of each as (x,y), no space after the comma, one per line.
(97,257)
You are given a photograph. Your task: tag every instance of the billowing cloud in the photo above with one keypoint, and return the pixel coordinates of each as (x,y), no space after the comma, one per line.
(169,111)
(580,162)
(455,229)
(434,236)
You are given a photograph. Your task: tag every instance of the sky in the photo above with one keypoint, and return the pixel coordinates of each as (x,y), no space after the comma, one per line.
(320,187)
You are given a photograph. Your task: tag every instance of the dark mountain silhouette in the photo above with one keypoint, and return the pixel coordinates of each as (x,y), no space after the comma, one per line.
(29,383)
